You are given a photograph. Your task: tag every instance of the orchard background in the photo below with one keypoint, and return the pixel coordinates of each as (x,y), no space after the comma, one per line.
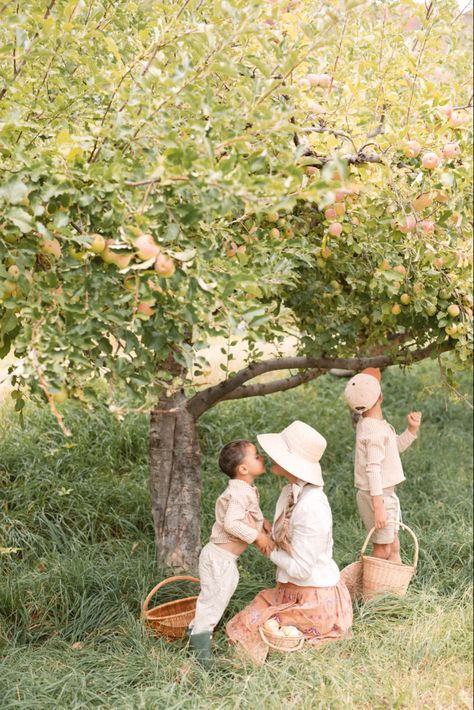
(176,174)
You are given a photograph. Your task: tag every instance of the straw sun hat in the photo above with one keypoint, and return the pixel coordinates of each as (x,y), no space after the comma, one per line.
(362,391)
(297,449)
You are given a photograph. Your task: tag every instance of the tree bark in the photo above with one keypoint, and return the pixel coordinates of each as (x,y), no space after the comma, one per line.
(175,483)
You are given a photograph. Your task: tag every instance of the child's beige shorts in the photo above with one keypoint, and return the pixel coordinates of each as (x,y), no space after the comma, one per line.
(385,535)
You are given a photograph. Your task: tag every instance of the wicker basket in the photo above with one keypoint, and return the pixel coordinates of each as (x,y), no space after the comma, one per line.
(352,577)
(286,644)
(172,618)
(382,576)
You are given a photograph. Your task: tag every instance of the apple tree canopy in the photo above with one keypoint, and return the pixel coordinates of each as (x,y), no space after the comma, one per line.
(170,172)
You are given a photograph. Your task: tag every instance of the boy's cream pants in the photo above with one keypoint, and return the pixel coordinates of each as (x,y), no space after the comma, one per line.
(219,577)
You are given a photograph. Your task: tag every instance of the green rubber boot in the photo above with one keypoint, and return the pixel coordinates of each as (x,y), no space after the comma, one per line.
(200,647)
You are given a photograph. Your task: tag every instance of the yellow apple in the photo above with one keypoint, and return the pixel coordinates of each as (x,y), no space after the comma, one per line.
(396,309)
(405,299)
(120,258)
(454,310)
(422,201)
(61,396)
(51,247)
(98,244)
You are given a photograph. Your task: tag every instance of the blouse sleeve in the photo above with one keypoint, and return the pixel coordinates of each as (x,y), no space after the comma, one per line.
(311,537)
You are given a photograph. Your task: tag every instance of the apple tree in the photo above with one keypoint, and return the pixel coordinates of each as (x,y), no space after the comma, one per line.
(174,172)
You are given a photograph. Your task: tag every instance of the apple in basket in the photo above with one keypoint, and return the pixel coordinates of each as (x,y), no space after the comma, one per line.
(291,631)
(272,627)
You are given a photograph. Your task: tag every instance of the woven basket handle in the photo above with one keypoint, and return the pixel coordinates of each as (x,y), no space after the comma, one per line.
(162,584)
(277,648)
(405,527)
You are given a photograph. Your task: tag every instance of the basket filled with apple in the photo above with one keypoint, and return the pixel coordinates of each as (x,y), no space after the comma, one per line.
(281,638)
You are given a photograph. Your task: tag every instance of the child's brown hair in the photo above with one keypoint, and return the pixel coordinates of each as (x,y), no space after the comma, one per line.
(232,455)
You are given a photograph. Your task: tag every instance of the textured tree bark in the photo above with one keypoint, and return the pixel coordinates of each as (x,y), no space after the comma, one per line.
(175,483)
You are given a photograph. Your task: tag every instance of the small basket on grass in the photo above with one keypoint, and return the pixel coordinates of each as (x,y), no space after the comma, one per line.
(170,619)
(385,577)
(278,642)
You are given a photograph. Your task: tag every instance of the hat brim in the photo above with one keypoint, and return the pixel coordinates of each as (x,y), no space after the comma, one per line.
(275,447)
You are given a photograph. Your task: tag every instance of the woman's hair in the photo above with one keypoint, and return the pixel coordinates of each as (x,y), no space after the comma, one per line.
(232,455)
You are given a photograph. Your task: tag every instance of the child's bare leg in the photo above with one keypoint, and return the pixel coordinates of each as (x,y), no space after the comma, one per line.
(394,555)
(381,551)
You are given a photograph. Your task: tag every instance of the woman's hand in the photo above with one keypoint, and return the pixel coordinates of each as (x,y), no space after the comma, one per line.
(267,526)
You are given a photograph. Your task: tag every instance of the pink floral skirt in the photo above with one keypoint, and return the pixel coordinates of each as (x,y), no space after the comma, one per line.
(321,613)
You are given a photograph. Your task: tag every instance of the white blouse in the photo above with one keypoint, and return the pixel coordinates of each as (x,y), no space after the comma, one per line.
(311,564)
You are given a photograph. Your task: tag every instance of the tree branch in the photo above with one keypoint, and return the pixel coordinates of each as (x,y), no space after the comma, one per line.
(207,398)
(263,388)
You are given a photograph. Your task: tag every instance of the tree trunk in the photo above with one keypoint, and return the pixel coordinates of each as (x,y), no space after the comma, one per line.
(175,483)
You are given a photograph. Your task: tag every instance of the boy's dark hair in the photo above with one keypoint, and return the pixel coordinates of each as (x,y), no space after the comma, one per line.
(232,455)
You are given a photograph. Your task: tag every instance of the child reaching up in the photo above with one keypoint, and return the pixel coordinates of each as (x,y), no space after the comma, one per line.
(239,522)
(378,468)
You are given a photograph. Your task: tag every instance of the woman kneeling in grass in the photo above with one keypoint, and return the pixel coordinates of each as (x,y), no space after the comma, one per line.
(310,593)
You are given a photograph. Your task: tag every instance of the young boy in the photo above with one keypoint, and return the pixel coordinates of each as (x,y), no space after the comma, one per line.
(239,522)
(378,468)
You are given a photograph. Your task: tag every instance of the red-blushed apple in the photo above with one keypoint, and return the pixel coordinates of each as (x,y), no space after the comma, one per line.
(396,309)
(400,268)
(430,160)
(146,247)
(451,150)
(304,83)
(97,244)
(412,149)
(164,265)
(428,226)
(408,225)
(454,310)
(274,233)
(438,262)
(447,109)
(456,119)
(335,229)
(51,247)
(145,308)
(422,201)
(330,213)
(315,107)
(311,170)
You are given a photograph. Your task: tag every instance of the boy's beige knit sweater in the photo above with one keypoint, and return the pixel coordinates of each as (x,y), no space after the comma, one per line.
(377,457)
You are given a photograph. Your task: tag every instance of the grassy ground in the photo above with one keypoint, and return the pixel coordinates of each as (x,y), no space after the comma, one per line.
(70,633)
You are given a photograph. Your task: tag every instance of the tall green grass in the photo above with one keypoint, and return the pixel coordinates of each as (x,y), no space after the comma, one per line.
(78,511)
